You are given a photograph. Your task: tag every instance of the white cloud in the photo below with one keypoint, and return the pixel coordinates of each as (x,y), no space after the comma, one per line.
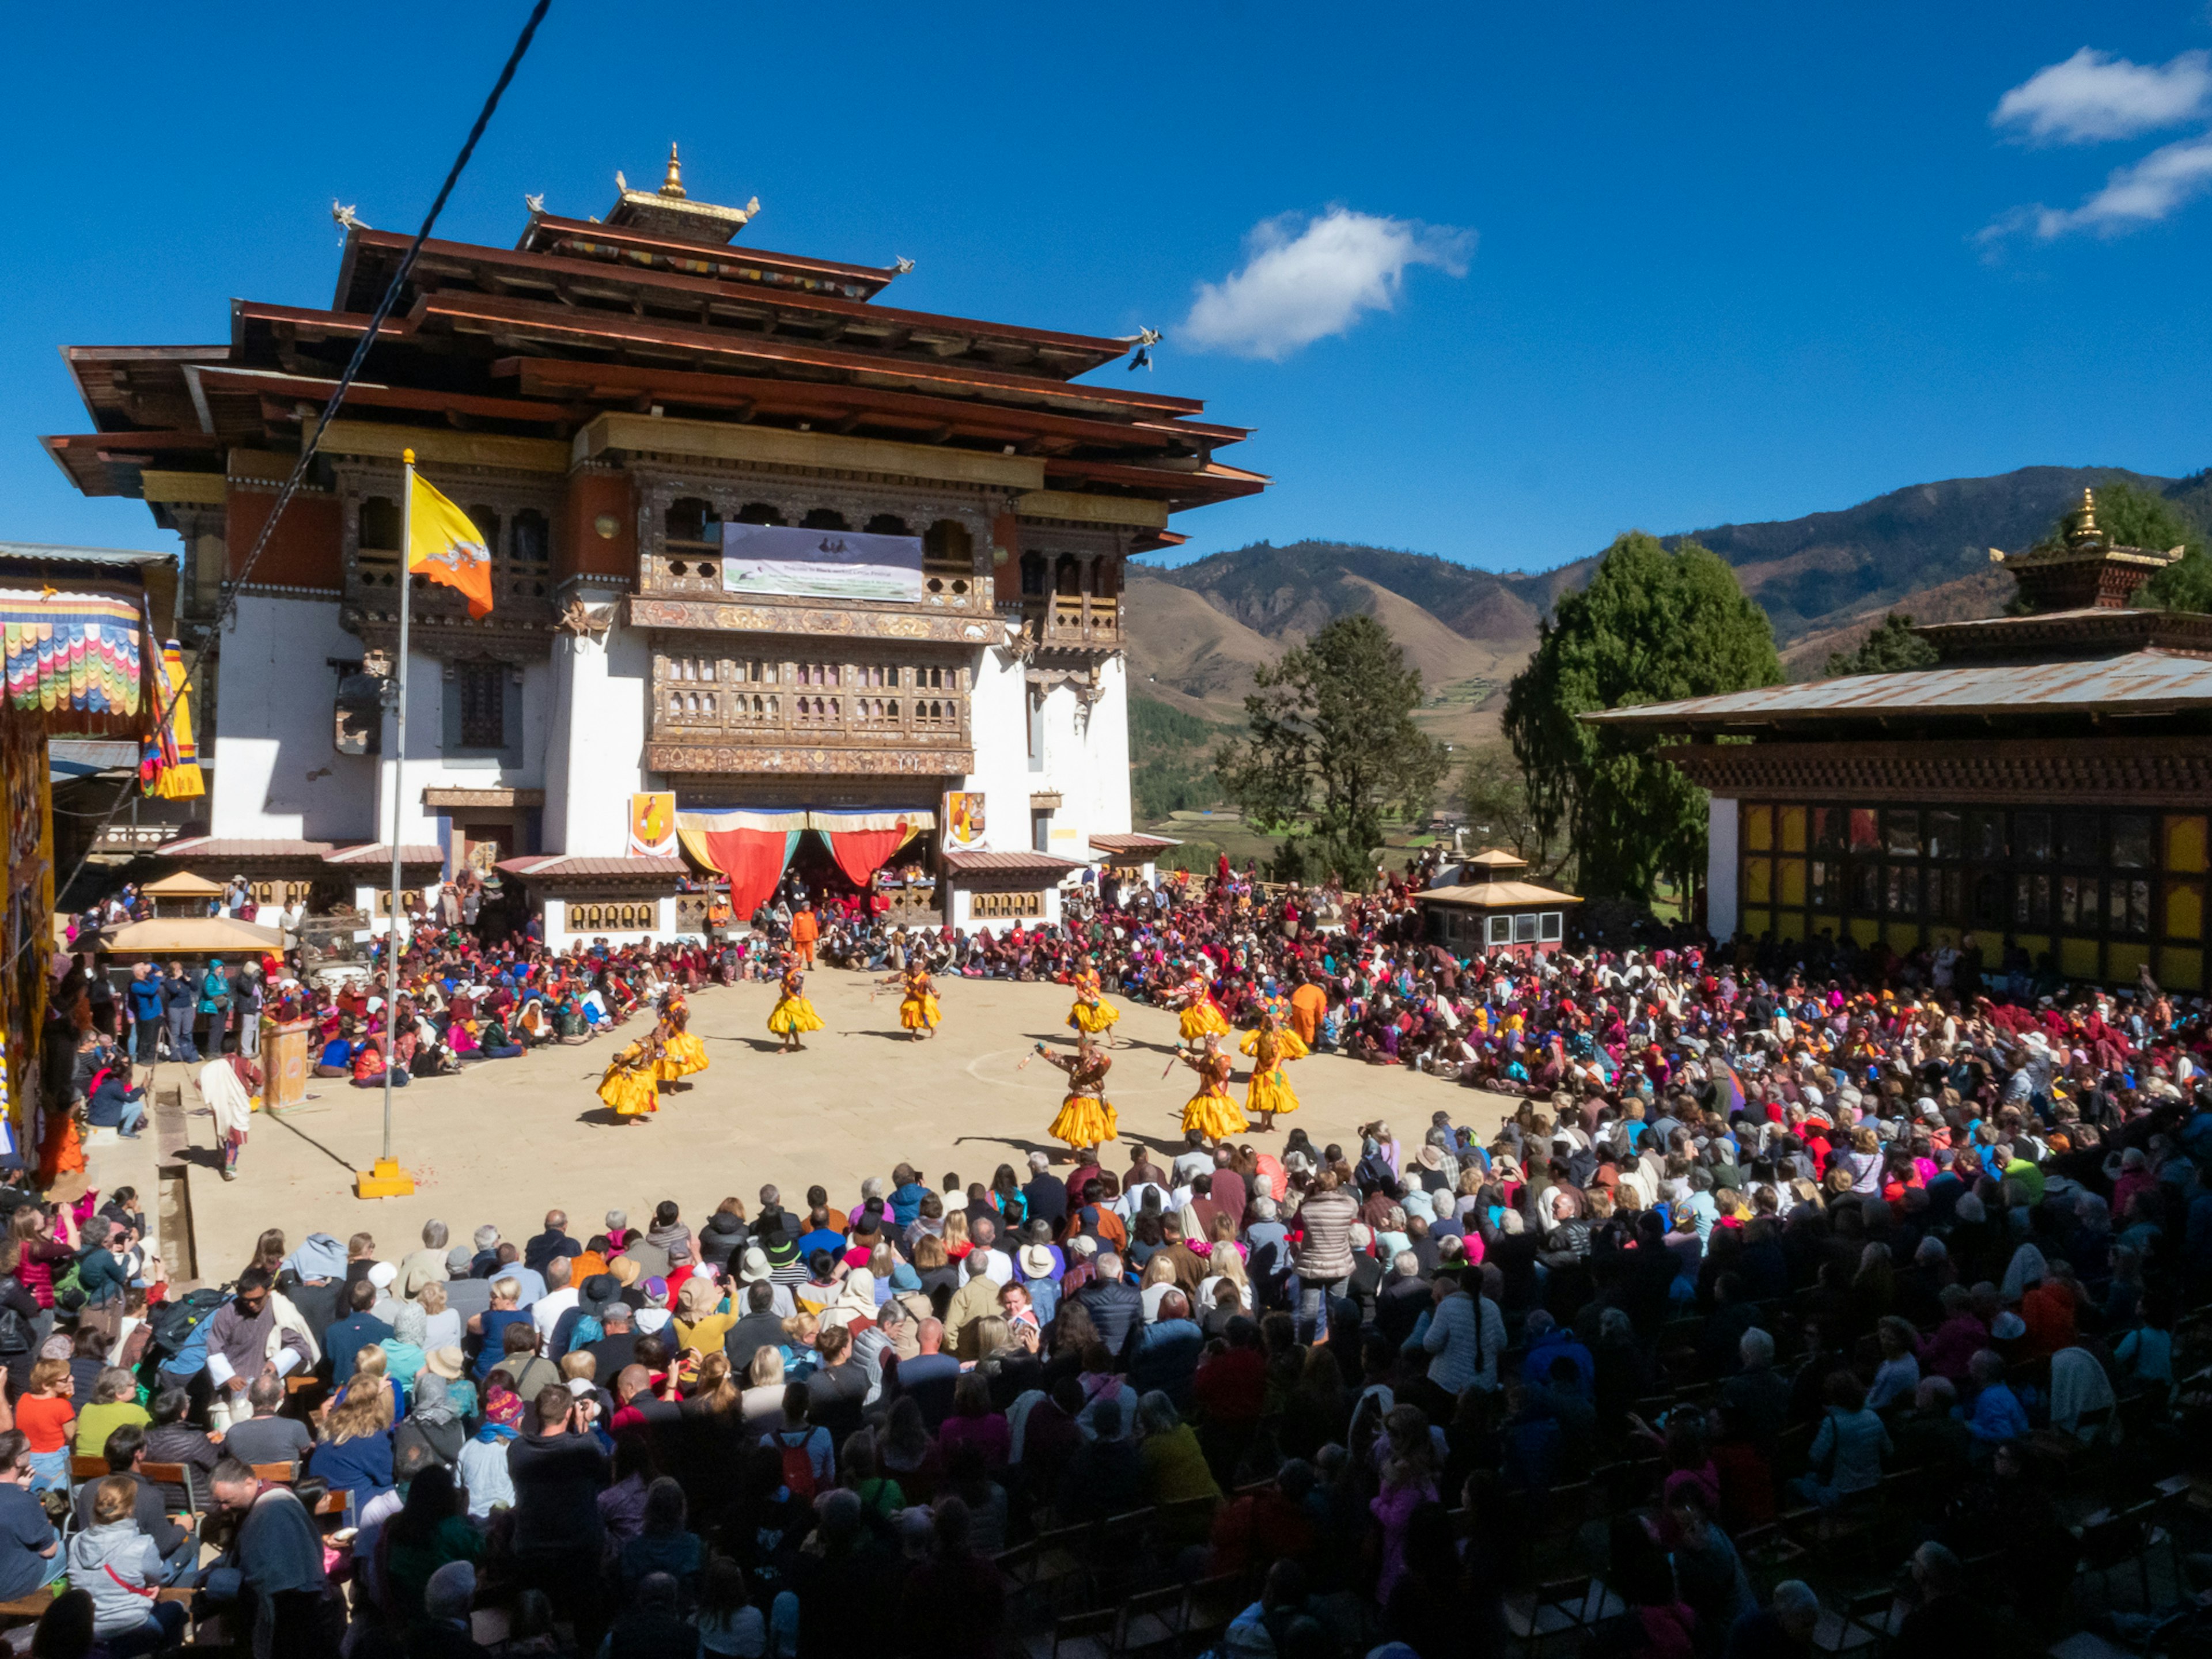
(2140,194)
(2093,96)
(1301,284)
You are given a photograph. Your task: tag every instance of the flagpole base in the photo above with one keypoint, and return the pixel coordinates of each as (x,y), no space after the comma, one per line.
(383,1179)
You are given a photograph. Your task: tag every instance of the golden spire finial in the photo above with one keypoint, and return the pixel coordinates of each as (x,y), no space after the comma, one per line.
(673,184)
(2084,527)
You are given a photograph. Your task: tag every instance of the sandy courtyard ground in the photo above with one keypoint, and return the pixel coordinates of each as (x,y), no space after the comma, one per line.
(509,1140)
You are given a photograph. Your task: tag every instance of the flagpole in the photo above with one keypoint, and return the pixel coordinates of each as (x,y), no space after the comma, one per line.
(387,1179)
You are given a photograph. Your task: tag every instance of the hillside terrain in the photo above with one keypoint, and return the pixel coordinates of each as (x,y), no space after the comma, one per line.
(1198,630)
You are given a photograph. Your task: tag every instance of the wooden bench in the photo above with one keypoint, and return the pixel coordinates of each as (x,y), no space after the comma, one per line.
(26,1609)
(282,1474)
(179,1477)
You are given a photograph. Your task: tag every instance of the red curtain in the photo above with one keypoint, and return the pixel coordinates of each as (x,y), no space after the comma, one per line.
(751,849)
(861,842)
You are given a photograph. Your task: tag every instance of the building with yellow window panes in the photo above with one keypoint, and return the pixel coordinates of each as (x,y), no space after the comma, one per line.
(2045,785)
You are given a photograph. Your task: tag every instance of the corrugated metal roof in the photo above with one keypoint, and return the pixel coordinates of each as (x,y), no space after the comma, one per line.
(1500,896)
(999,864)
(182,884)
(2139,683)
(193,936)
(48,553)
(84,757)
(541,867)
(215,848)
(1132,844)
(380,852)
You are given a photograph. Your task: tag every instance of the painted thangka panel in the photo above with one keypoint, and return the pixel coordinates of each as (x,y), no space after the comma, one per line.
(27,930)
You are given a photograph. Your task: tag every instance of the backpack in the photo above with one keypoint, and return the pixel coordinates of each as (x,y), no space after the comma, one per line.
(69,1286)
(173,1326)
(798,1465)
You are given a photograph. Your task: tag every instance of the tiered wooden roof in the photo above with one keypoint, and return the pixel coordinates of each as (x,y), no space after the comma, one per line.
(652,311)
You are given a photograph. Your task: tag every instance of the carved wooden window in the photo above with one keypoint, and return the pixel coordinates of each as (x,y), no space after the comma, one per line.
(948,557)
(481,687)
(529,539)
(379,525)
(1006,907)
(817,673)
(1033,575)
(487,521)
(823,518)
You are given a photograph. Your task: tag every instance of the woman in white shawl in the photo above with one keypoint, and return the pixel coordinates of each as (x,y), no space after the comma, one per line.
(2078,1387)
(227,1096)
(2026,1270)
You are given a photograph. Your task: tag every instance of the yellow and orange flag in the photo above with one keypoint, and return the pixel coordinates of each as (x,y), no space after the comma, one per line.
(443,545)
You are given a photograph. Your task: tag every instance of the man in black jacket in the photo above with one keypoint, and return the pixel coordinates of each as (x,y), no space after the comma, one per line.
(762,1327)
(554,1241)
(1046,1194)
(559,1472)
(1115,1307)
(1404,1297)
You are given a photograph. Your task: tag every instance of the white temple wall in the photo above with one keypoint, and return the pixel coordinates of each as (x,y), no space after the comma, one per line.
(278,774)
(595,747)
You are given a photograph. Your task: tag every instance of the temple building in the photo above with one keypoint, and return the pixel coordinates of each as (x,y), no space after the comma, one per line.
(782,573)
(2044,789)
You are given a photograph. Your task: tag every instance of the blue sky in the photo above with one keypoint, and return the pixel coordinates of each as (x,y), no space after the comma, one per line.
(1656,266)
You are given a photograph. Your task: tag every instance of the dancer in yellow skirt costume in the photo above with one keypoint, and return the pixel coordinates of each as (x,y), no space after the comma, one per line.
(918,1010)
(792,1013)
(1086,1117)
(1269,1090)
(682,1054)
(1093,1015)
(628,1085)
(1211,1111)
(1202,1015)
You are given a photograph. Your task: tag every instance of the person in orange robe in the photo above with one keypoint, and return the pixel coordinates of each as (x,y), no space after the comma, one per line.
(1309,1004)
(804,930)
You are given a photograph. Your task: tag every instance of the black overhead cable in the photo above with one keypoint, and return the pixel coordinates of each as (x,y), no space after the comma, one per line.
(311,436)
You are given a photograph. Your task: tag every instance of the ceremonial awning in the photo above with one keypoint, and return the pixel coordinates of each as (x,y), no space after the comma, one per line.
(862,842)
(752,850)
(75,657)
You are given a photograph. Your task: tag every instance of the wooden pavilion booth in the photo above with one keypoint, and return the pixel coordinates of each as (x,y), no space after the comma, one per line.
(2044,788)
(1493,909)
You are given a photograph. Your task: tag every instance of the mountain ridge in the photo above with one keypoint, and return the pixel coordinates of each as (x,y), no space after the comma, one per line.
(1196,631)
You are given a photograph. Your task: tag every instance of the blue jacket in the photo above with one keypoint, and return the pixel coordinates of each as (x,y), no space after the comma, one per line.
(1997,1415)
(105,1110)
(179,994)
(145,999)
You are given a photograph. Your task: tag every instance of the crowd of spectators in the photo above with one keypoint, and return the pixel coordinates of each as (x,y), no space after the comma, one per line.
(1771,1287)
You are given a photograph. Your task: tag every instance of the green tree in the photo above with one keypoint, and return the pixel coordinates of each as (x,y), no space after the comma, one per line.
(1891,647)
(1495,798)
(1330,743)
(1651,627)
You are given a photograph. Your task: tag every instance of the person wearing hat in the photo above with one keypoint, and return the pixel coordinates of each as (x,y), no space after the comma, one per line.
(450,1363)
(1036,1271)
